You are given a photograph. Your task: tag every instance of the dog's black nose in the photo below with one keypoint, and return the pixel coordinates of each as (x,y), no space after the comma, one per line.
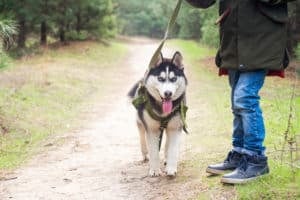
(168,94)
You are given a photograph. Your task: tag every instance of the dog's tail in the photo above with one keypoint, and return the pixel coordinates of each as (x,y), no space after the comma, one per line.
(132,93)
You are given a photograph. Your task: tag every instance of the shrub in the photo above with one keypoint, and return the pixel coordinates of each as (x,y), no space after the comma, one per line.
(210,32)
(74,35)
(4,60)
(8,29)
(297,51)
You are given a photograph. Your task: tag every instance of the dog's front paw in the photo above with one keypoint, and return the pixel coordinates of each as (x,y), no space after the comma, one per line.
(171,172)
(154,172)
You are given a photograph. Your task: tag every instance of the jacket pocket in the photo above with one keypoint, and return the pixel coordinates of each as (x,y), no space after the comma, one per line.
(276,13)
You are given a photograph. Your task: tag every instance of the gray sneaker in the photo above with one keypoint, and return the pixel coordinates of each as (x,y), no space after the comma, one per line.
(230,163)
(251,167)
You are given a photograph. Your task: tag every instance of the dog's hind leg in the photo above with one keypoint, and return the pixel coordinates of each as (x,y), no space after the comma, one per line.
(143,143)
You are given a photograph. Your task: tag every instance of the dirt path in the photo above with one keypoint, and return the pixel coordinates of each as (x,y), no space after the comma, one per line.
(101,160)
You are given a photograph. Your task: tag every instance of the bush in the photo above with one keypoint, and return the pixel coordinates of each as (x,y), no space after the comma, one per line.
(210,32)
(4,60)
(297,51)
(74,35)
(189,22)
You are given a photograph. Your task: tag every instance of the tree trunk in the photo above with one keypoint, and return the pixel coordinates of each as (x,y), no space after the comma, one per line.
(44,26)
(63,22)
(78,22)
(22,33)
(62,35)
(43,33)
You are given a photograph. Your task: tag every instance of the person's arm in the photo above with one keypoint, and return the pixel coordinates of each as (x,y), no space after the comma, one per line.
(275,2)
(201,3)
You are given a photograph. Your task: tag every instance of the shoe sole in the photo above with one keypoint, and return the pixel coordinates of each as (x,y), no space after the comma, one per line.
(240,181)
(237,181)
(215,171)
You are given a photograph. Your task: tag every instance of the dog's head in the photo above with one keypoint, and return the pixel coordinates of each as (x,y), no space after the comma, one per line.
(166,81)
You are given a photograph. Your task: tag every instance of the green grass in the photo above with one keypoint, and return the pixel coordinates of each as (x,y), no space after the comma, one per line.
(277,185)
(44,95)
(192,49)
(4,60)
(210,122)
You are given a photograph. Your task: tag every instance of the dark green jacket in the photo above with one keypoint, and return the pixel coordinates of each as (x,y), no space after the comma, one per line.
(253,33)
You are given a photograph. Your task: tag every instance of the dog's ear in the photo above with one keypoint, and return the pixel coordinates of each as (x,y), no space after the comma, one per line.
(159,60)
(177,60)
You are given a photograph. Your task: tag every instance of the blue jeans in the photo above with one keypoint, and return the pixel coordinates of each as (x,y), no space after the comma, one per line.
(248,124)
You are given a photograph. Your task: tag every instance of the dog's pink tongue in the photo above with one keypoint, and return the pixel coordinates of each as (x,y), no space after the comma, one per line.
(167,106)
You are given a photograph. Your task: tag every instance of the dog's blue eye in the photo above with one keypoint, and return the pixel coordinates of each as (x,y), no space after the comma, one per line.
(161,79)
(174,79)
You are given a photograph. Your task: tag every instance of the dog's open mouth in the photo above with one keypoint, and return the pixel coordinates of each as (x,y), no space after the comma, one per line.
(167,106)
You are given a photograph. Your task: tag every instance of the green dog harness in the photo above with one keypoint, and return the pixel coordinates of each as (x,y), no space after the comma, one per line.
(142,99)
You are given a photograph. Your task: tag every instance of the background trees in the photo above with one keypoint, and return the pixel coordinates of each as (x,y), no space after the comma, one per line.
(80,19)
(62,19)
(7,30)
(150,19)
(143,18)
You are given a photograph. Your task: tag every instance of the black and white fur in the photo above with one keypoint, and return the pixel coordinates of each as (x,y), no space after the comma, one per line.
(165,80)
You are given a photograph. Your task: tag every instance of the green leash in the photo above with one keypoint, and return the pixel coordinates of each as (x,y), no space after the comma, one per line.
(169,27)
(142,99)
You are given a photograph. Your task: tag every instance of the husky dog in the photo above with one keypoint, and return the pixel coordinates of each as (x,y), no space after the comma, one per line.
(160,102)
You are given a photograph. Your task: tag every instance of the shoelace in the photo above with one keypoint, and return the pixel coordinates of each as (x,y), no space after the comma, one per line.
(229,156)
(243,163)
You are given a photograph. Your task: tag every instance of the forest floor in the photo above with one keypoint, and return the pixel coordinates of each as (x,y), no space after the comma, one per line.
(101,158)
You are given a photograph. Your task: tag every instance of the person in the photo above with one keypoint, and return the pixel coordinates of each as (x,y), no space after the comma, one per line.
(253,40)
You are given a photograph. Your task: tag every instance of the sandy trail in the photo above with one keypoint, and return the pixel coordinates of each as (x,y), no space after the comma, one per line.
(101,160)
